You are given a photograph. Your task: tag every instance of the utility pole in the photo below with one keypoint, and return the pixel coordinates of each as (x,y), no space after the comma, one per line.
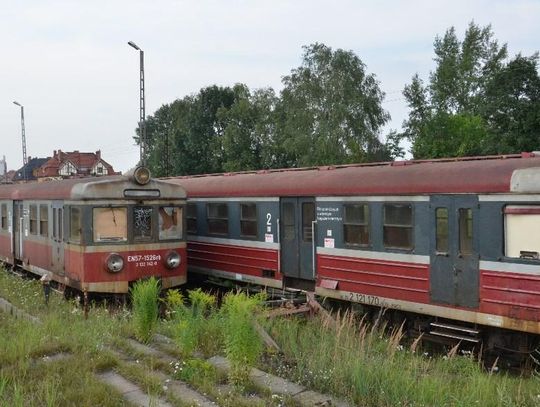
(25,159)
(142,102)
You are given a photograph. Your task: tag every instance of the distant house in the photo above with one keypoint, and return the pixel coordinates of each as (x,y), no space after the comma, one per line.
(29,171)
(74,165)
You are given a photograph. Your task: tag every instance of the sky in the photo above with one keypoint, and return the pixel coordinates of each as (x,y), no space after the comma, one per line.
(69,64)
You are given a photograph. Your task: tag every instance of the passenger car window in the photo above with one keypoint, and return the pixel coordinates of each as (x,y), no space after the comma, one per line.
(44,220)
(522,231)
(248,219)
(33,220)
(170,222)
(218,218)
(75,224)
(191,217)
(110,224)
(398,226)
(356,224)
(4,217)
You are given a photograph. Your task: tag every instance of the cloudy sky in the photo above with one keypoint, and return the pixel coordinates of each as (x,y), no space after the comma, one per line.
(69,64)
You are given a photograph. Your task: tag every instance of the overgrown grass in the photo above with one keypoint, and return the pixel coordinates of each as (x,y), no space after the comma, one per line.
(243,345)
(350,359)
(27,378)
(145,308)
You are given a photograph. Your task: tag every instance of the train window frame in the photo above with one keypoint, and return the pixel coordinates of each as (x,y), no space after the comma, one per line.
(366,224)
(44,220)
(110,240)
(216,220)
(439,249)
(307,227)
(134,228)
(466,231)
(399,226)
(75,229)
(4,216)
(33,219)
(249,221)
(518,217)
(179,224)
(191,218)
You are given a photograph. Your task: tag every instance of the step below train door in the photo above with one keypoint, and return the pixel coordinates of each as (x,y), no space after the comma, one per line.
(297,217)
(57,244)
(454,268)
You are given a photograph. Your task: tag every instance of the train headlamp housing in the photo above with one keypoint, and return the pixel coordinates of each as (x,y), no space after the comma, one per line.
(114,263)
(173,260)
(141,175)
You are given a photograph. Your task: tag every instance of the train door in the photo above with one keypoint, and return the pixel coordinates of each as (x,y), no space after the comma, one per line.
(296,239)
(454,271)
(18,230)
(58,237)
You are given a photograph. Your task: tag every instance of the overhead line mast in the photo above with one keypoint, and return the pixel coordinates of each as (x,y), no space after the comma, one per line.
(25,158)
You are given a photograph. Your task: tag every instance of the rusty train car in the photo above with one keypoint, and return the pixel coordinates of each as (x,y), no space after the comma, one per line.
(454,244)
(96,235)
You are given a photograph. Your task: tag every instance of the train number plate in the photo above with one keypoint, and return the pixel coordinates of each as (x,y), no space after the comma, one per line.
(144,260)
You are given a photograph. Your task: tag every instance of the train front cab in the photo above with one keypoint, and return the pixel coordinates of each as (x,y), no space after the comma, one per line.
(105,235)
(124,243)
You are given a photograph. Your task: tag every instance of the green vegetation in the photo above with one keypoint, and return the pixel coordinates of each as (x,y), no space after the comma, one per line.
(243,346)
(329,112)
(350,359)
(145,303)
(196,327)
(476,101)
(344,356)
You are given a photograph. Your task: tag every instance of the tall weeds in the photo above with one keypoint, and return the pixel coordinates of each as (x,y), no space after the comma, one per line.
(243,345)
(197,328)
(145,302)
(370,366)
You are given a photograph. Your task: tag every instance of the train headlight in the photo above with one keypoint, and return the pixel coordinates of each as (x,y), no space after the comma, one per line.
(173,260)
(141,175)
(115,263)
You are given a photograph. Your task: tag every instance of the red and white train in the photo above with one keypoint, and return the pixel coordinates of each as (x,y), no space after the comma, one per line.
(96,234)
(454,242)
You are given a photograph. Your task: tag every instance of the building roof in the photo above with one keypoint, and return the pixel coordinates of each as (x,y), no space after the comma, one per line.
(494,174)
(83,162)
(28,169)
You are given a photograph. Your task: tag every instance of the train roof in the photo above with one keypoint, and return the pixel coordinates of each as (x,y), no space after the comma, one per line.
(107,187)
(490,174)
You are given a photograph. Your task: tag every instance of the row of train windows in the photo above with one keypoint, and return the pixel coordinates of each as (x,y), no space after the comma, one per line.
(398,227)
(217,215)
(109,223)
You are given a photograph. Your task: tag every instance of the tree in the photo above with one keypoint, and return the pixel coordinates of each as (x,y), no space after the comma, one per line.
(159,136)
(193,130)
(249,129)
(330,110)
(512,107)
(446,116)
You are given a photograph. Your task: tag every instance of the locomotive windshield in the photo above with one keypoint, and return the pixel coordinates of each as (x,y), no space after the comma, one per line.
(170,222)
(110,224)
